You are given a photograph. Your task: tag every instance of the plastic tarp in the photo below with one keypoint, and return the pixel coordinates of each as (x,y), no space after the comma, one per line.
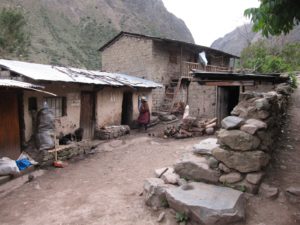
(45,129)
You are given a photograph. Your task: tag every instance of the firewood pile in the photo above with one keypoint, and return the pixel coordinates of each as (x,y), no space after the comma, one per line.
(191,127)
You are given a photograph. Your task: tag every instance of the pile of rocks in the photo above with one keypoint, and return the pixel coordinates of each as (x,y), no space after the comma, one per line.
(110,132)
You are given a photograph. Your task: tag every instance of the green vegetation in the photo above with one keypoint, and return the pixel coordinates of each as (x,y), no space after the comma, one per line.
(181,217)
(14,39)
(265,58)
(274,17)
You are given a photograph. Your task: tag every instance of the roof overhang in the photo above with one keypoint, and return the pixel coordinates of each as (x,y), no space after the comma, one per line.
(15,84)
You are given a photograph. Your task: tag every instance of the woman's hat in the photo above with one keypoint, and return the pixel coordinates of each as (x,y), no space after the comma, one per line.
(143,98)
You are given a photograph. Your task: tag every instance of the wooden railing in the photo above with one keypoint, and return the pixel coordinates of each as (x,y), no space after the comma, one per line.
(187,68)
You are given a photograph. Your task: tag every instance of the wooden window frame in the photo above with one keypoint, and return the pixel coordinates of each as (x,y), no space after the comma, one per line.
(58,105)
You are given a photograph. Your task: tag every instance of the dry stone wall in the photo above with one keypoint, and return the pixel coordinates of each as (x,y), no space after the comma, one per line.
(247,137)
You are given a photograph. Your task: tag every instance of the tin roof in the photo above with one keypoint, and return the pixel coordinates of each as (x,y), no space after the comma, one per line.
(165,40)
(17,84)
(7,83)
(41,72)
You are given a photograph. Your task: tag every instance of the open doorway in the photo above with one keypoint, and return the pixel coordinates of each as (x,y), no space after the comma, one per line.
(228,98)
(127,109)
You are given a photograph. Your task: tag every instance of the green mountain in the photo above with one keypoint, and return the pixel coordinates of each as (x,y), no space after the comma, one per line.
(70,32)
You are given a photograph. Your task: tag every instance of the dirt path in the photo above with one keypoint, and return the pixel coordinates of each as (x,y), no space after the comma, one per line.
(101,189)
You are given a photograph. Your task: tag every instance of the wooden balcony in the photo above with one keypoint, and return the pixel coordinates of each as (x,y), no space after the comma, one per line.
(187,68)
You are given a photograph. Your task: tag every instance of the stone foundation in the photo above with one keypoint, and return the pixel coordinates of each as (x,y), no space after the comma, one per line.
(111,132)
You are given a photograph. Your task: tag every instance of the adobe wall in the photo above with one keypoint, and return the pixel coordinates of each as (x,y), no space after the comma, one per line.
(64,124)
(109,105)
(202,100)
(261,87)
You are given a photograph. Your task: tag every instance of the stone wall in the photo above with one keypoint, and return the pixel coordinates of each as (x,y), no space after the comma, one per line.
(248,137)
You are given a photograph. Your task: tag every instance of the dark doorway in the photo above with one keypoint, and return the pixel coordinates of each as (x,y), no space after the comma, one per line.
(87,114)
(127,109)
(9,125)
(228,98)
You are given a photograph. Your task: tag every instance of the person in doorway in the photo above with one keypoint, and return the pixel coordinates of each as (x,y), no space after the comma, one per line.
(144,116)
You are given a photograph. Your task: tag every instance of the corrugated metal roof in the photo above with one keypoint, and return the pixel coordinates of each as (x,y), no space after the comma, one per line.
(43,72)
(23,85)
(17,84)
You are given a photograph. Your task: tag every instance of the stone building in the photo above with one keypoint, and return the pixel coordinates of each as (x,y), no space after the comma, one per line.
(171,63)
(78,98)
(168,62)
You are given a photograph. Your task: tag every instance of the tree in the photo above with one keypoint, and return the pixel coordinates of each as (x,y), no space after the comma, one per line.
(14,40)
(274,17)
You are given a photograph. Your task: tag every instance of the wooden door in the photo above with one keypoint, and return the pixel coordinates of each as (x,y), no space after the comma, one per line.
(9,125)
(87,114)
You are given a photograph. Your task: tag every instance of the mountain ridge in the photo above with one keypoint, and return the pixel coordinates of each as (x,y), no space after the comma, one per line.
(241,37)
(70,32)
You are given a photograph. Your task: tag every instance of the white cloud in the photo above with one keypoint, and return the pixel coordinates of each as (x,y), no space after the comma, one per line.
(210,19)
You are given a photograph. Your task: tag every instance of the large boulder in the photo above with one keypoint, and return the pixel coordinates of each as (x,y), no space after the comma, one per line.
(238,140)
(155,192)
(244,162)
(232,122)
(196,168)
(207,204)
(205,146)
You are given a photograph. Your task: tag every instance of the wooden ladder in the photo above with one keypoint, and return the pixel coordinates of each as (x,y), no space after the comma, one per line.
(170,95)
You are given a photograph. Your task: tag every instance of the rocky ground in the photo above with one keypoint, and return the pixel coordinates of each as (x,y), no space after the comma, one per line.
(104,188)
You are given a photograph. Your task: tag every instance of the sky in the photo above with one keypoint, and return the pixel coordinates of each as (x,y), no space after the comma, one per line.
(209,20)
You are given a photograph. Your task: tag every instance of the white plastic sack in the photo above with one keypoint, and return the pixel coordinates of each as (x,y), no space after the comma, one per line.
(186,112)
(8,167)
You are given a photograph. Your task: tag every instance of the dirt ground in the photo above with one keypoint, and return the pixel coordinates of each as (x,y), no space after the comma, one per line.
(104,188)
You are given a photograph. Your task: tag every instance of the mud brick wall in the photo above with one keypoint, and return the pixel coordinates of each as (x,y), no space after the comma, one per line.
(202,100)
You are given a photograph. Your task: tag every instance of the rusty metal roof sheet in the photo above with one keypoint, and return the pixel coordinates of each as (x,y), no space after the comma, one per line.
(43,72)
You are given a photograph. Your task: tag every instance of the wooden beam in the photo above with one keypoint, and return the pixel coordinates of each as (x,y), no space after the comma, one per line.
(229,83)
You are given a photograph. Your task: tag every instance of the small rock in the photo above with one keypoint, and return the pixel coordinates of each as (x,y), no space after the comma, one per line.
(224,168)
(205,146)
(212,162)
(293,194)
(245,186)
(258,123)
(254,178)
(170,178)
(161,217)
(262,104)
(248,128)
(181,182)
(210,131)
(268,191)
(158,172)
(154,192)
(231,122)
(231,178)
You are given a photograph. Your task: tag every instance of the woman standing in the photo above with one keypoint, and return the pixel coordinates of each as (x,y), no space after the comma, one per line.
(144,116)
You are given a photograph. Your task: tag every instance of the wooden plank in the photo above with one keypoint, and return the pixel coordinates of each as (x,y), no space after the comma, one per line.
(228,83)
